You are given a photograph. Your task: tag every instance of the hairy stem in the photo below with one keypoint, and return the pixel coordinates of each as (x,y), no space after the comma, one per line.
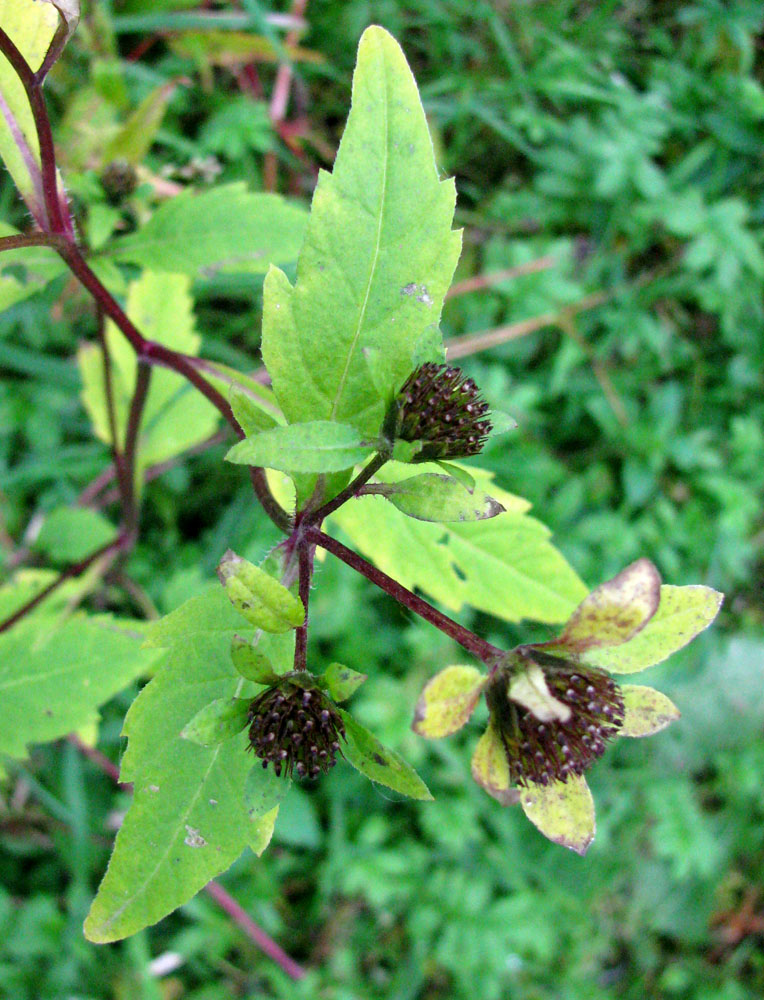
(483,650)
(142,383)
(305,559)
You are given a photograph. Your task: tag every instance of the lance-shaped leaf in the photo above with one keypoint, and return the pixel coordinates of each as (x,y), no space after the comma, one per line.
(317,446)
(250,414)
(341,682)
(431,497)
(364,751)
(251,662)
(378,256)
(263,601)
(35,29)
(218,721)
(683,613)
(562,811)
(490,767)
(193,235)
(68,19)
(614,612)
(447,701)
(646,711)
(529,688)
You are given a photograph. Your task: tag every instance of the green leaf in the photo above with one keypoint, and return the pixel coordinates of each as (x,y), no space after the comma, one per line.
(227,230)
(683,613)
(187,821)
(263,601)
(262,831)
(208,613)
(647,711)
(458,473)
(364,751)
(263,791)
(505,566)
(176,416)
(490,768)
(431,497)
(341,682)
(217,722)
(318,446)
(136,137)
(529,689)
(53,680)
(447,701)
(251,662)
(501,423)
(562,811)
(378,256)
(69,534)
(35,29)
(614,612)
(252,417)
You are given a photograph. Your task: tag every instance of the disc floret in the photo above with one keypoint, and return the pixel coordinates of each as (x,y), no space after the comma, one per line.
(296,728)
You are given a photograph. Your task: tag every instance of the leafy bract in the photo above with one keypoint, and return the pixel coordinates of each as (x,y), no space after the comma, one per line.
(432,497)
(490,767)
(683,612)
(175,416)
(378,255)
(447,701)
(529,689)
(562,811)
(341,682)
(364,751)
(505,566)
(646,711)
(317,446)
(258,597)
(53,680)
(188,820)
(218,721)
(223,231)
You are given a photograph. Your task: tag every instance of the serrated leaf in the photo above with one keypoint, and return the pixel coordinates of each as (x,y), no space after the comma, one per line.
(378,256)
(615,611)
(175,416)
(562,811)
(490,768)
(263,791)
(431,497)
(72,533)
(35,29)
(263,601)
(227,230)
(683,613)
(529,689)
(646,711)
(218,721)
(251,416)
(318,446)
(505,566)
(341,682)
(447,701)
(366,754)
(251,662)
(52,681)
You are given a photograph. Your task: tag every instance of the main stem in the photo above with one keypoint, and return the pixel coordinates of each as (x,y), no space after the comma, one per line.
(478,647)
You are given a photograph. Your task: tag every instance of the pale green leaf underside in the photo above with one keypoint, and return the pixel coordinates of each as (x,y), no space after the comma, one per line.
(562,811)
(682,614)
(505,566)
(52,681)
(226,230)
(431,497)
(646,711)
(447,701)
(378,256)
(379,763)
(316,446)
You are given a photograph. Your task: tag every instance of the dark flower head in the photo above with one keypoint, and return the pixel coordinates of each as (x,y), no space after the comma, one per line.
(589,712)
(296,728)
(441,407)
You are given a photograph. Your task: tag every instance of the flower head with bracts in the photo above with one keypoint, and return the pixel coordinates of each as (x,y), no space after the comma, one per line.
(554,706)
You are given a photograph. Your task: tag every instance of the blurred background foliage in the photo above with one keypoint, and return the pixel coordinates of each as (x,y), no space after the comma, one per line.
(619,143)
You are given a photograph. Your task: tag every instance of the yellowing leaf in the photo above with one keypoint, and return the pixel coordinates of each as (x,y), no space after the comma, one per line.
(431,497)
(490,767)
(646,711)
(529,688)
(563,811)
(263,601)
(447,701)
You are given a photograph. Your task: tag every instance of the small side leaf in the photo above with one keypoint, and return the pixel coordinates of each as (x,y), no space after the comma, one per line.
(251,663)
(251,417)
(501,423)
(262,831)
(366,754)
(447,701)
(431,497)
(490,767)
(341,682)
(217,722)
(69,15)
(563,811)
(615,611)
(530,690)
(263,791)
(317,446)
(647,711)
(263,601)
(683,613)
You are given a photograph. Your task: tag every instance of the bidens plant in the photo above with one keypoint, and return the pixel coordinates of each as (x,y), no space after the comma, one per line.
(360,431)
